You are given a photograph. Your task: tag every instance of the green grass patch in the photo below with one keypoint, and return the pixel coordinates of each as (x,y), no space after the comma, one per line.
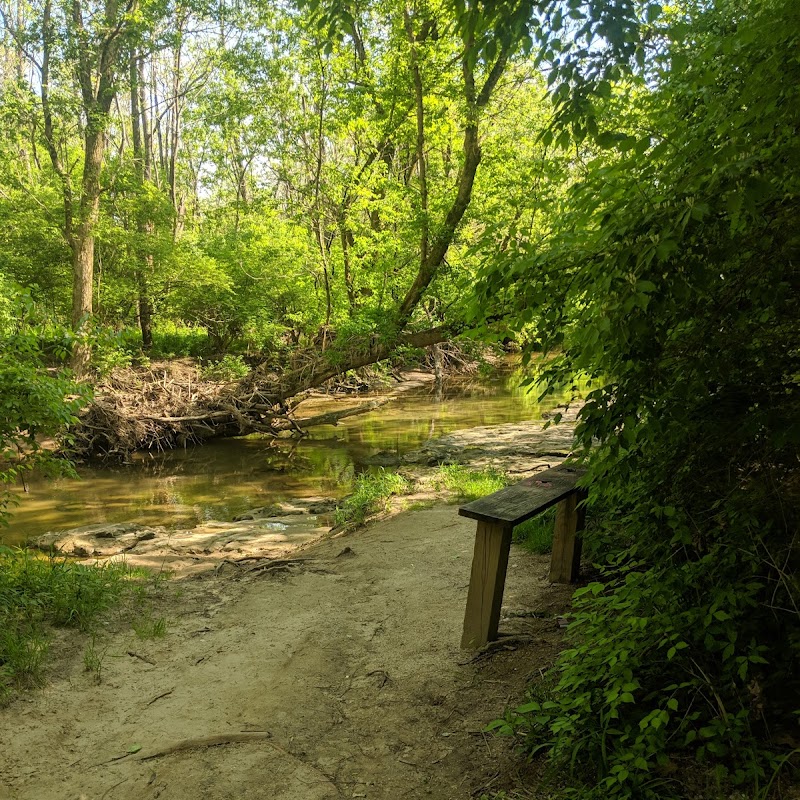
(227,368)
(146,626)
(536,535)
(470,484)
(39,593)
(371,494)
(171,339)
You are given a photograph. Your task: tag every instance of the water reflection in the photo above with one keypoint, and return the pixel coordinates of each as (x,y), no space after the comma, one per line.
(228,477)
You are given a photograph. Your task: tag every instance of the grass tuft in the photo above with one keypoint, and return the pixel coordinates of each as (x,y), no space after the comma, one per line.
(146,626)
(371,494)
(536,535)
(468,484)
(37,593)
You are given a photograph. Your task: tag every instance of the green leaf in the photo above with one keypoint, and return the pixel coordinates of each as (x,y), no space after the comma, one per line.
(653,12)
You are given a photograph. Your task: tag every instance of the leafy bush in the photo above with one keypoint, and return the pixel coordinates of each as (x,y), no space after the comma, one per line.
(674,269)
(228,368)
(171,339)
(114,350)
(371,494)
(470,484)
(36,592)
(33,401)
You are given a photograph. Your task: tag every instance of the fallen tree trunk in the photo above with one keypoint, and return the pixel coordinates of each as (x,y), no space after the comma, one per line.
(167,408)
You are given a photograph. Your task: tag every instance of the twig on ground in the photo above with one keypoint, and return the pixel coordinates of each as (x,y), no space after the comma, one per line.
(241,737)
(159,696)
(146,660)
(111,788)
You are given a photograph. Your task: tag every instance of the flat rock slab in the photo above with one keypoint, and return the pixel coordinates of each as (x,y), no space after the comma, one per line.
(309,505)
(516,447)
(186,551)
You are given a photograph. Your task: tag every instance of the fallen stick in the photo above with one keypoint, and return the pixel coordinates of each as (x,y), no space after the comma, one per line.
(333,417)
(111,788)
(146,660)
(209,741)
(159,696)
(277,565)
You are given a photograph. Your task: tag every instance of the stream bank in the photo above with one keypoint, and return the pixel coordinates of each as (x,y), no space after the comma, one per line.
(279,529)
(298,665)
(224,479)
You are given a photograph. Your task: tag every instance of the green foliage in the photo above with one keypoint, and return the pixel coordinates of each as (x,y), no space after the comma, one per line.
(37,592)
(371,494)
(146,626)
(33,401)
(671,281)
(536,535)
(470,484)
(257,284)
(114,350)
(228,368)
(290,199)
(93,658)
(172,339)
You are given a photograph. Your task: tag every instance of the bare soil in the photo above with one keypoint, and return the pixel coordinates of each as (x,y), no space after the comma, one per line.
(335,674)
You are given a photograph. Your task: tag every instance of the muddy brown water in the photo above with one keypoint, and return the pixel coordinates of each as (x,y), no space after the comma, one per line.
(228,477)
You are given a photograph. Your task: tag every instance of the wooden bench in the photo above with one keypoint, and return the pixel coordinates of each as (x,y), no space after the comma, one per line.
(497,515)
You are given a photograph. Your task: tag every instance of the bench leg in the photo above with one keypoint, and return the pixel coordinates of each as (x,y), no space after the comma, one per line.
(485,597)
(566,559)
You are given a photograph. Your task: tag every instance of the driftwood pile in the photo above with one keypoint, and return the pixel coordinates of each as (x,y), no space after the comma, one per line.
(165,406)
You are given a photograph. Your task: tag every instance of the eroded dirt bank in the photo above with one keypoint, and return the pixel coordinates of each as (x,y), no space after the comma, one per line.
(344,665)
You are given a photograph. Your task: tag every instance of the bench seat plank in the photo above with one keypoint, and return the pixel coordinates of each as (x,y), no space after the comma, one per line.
(517,503)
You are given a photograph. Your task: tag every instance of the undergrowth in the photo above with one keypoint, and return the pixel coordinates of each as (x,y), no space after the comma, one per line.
(39,593)
(228,368)
(172,340)
(470,484)
(371,494)
(536,535)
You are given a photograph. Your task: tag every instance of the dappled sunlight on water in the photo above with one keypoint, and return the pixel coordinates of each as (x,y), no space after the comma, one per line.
(228,477)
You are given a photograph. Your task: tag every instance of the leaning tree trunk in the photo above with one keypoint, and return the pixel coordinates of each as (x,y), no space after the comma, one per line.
(117,424)
(142,158)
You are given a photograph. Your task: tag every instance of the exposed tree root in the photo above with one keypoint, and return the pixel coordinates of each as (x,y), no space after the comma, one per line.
(243,737)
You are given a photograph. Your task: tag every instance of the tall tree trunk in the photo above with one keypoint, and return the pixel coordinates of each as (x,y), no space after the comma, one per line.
(436,243)
(175,130)
(142,161)
(346,236)
(94,64)
(83,241)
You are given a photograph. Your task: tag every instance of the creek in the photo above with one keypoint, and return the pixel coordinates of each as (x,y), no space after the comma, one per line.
(226,477)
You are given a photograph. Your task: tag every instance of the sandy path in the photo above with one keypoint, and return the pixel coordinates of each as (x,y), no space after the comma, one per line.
(350,663)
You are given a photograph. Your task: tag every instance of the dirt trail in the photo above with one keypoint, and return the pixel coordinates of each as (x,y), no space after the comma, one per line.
(348,661)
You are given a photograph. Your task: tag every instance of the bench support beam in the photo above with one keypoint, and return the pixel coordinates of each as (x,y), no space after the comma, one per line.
(565,561)
(485,597)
